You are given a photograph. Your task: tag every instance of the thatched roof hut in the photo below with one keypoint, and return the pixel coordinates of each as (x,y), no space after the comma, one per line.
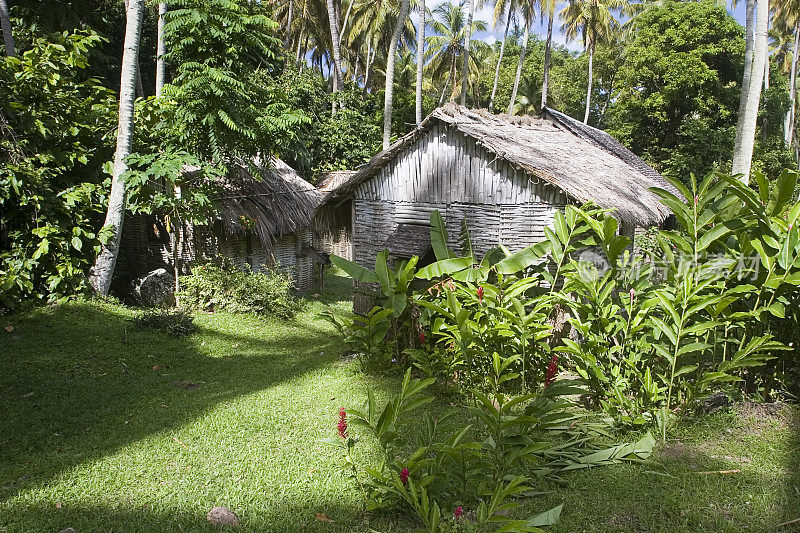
(584,162)
(273,195)
(265,213)
(505,176)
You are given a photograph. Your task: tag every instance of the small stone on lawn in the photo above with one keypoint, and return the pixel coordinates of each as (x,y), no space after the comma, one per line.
(222,516)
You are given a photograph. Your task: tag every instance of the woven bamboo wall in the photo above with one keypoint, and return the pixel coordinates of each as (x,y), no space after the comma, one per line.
(450,172)
(340,244)
(146,248)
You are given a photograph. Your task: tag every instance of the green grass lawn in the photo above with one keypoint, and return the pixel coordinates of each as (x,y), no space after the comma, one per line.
(107,427)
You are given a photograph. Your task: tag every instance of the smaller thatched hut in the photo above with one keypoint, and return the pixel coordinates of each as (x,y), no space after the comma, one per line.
(265,216)
(334,238)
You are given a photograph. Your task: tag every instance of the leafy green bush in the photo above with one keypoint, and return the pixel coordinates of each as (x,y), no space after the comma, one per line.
(214,288)
(56,127)
(175,322)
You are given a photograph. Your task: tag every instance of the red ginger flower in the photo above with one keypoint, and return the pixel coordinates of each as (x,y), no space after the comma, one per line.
(458,512)
(480,293)
(633,292)
(422,337)
(341,427)
(404,475)
(552,370)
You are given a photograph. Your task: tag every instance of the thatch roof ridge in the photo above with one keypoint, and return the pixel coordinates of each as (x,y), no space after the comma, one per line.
(333,178)
(580,167)
(270,192)
(608,143)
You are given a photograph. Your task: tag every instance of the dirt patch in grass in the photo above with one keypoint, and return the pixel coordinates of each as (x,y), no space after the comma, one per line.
(757,417)
(677,450)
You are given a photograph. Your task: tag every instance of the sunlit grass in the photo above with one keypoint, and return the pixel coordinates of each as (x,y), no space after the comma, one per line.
(106,427)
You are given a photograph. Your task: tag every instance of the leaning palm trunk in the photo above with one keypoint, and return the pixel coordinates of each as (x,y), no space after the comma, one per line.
(746,124)
(5,23)
(420,59)
(447,81)
(336,52)
(547,52)
(465,63)
(103,269)
(589,86)
(500,60)
(788,123)
(161,49)
(389,87)
(513,102)
(287,39)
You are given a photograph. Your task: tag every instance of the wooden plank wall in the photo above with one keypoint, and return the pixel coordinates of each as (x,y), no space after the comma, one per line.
(449,171)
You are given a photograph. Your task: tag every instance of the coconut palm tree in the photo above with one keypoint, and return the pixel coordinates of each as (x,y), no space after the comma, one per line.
(526,8)
(420,60)
(161,49)
(751,92)
(593,21)
(104,265)
(548,8)
(336,51)
(390,60)
(500,7)
(5,24)
(446,48)
(465,55)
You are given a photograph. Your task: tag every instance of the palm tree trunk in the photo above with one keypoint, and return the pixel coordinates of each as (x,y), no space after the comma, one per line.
(389,87)
(748,71)
(103,269)
(547,52)
(500,60)
(746,124)
(450,77)
(465,62)
(287,39)
(336,52)
(589,86)
(161,49)
(788,123)
(420,59)
(368,66)
(521,62)
(346,17)
(8,36)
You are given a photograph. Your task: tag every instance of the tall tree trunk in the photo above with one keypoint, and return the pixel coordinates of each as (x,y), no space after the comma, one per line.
(368,66)
(5,24)
(788,123)
(390,60)
(450,77)
(161,49)
(336,52)
(420,59)
(589,87)
(465,62)
(512,104)
(547,52)
(287,39)
(346,17)
(500,60)
(103,269)
(747,74)
(746,124)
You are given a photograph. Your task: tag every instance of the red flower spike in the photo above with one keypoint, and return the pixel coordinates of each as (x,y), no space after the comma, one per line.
(633,292)
(552,370)
(422,337)
(341,427)
(480,293)
(458,512)
(404,475)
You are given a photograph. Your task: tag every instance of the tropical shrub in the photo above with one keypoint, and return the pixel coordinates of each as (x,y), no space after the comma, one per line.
(484,467)
(216,288)
(175,322)
(55,131)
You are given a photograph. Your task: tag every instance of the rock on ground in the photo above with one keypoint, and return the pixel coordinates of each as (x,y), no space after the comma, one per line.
(222,516)
(156,289)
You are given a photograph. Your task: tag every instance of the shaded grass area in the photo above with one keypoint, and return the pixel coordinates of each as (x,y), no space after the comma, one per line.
(107,427)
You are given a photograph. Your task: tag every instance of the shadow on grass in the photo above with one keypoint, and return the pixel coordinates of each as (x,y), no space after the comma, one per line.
(294,518)
(79,381)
